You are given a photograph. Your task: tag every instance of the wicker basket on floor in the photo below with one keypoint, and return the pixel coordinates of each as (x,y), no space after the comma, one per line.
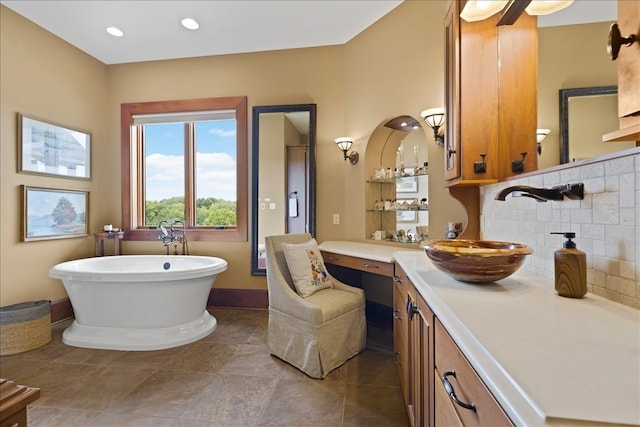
(25,326)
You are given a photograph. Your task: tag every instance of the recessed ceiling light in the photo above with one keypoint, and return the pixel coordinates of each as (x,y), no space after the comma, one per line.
(114,31)
(190,24)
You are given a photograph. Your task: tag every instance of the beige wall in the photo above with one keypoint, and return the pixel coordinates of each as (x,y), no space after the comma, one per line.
(394,67)
(46,78)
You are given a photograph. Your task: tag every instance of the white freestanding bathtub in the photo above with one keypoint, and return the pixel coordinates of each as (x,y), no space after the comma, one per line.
(138,302)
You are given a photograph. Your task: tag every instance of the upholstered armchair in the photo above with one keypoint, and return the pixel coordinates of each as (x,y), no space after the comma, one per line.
(316,333)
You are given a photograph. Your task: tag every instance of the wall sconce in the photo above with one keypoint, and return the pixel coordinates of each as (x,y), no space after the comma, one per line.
(344,143)
(541,134)
(434,117)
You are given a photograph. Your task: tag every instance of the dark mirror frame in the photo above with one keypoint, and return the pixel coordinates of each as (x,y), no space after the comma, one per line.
(565,96)
(255,135)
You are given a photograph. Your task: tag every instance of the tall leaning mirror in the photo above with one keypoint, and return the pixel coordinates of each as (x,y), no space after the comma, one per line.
(284,171)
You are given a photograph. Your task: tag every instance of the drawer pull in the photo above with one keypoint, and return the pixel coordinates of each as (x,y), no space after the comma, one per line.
(396,315)
(452,393)
(370,266)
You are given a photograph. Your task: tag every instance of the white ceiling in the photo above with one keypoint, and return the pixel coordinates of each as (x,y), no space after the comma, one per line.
(153,31)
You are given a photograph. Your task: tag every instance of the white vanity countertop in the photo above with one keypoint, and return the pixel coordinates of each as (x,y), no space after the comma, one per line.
(548,360)
(372,251)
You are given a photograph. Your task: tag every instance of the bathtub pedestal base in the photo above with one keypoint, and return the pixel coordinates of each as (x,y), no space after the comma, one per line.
(130,339)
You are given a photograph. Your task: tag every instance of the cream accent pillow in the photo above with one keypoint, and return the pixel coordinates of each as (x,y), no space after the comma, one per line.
(307,267)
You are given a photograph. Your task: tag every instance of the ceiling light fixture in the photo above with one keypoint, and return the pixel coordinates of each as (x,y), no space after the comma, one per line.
(546,7)
(477,10)
(190,24)
(115,31)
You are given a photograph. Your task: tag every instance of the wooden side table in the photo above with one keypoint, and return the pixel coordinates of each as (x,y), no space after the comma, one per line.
(13,403)
(116,236)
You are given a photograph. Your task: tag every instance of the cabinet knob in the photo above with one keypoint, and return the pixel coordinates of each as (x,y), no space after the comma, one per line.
(616,41)
(411,308)
(396,359)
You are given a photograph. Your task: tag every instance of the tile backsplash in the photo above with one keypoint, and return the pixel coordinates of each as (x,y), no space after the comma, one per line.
(606,222)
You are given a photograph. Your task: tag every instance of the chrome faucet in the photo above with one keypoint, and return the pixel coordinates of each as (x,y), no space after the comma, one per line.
(559,192)
(173,236)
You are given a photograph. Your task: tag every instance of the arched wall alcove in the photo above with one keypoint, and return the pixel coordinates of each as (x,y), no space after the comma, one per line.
(396,142)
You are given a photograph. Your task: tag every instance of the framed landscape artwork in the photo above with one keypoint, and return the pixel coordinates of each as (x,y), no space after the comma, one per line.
(49,213)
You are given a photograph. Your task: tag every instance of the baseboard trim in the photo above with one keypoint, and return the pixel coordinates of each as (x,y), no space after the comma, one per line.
(218,298)
(238,298)
(61,310)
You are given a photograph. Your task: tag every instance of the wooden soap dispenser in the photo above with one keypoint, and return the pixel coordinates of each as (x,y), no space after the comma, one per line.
(570,265)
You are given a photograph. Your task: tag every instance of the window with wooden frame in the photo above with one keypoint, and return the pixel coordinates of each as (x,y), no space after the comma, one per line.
(185,161)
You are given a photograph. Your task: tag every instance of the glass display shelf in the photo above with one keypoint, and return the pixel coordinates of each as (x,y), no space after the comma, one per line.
(398,210)
(395,178)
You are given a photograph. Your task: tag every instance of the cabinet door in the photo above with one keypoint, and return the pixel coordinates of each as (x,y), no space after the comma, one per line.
(420,361)
(452,93)
(401,329)
(518,94)
(471,58)
(479,100)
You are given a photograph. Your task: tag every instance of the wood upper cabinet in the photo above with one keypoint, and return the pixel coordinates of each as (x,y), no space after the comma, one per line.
(628,65)
(490,98)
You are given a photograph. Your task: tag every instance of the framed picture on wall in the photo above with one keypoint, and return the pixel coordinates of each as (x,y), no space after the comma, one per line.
(407,185)
(49,213)
(408,210)
(51,149)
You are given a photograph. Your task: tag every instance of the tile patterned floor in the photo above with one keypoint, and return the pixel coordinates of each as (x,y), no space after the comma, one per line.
(226,379)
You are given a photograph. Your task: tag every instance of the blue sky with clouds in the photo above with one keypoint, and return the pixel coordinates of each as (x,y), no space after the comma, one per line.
(215,160)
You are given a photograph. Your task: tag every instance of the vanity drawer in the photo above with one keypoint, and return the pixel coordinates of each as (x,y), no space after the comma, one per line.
(362,264)
(466,384)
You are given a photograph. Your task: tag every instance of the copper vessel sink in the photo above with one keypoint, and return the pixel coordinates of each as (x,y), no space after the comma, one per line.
(476,261)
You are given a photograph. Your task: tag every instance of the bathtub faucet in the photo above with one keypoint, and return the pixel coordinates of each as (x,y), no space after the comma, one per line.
(170,235)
